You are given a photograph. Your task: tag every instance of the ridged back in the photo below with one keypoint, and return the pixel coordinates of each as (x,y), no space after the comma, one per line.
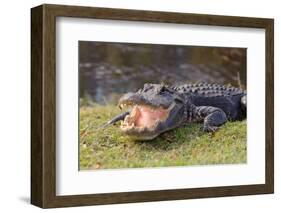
(208,90)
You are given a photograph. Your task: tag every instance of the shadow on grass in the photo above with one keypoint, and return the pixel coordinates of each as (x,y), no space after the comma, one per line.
(174,138)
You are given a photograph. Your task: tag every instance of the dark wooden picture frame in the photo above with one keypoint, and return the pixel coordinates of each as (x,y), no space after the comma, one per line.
(43,105)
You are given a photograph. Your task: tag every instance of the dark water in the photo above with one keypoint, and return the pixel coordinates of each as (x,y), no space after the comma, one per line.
(107,70)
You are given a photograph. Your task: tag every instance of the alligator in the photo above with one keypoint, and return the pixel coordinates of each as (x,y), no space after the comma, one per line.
(157,108)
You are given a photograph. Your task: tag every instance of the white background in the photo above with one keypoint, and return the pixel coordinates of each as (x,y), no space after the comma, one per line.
(15,106)
(69,181)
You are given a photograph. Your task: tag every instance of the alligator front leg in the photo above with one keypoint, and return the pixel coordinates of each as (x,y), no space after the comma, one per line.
(213,117)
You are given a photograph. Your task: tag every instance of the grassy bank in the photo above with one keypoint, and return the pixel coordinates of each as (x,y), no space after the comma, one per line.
(189,145)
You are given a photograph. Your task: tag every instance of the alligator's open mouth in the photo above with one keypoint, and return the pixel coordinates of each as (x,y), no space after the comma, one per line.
(144,118)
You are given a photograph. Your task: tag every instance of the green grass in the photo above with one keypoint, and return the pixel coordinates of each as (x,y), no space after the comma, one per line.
(110,148)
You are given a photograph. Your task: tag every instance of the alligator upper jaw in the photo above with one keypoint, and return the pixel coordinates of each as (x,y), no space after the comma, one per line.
(132,99)
(144,120)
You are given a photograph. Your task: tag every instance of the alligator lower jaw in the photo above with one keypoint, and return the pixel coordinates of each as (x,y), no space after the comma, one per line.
(144,119)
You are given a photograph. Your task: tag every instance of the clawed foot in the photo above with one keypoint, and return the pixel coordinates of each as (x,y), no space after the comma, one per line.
(210,128)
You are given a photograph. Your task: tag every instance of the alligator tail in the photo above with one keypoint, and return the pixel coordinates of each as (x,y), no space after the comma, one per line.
(243,102)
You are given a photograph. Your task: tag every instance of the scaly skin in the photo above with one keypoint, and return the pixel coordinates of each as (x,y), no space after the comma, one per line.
(225,98)
(211,104)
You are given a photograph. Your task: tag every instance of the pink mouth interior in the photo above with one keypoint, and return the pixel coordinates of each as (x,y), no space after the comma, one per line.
(146,116)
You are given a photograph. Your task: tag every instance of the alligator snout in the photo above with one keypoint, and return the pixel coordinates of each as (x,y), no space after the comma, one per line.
(130,99)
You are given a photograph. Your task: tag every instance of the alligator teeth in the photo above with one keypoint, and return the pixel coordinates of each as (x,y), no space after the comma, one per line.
(140,129)
(122,105)
(134,112)
(157,122)
(127,118)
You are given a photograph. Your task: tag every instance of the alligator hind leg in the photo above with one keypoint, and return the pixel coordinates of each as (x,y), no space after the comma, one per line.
(213,117)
